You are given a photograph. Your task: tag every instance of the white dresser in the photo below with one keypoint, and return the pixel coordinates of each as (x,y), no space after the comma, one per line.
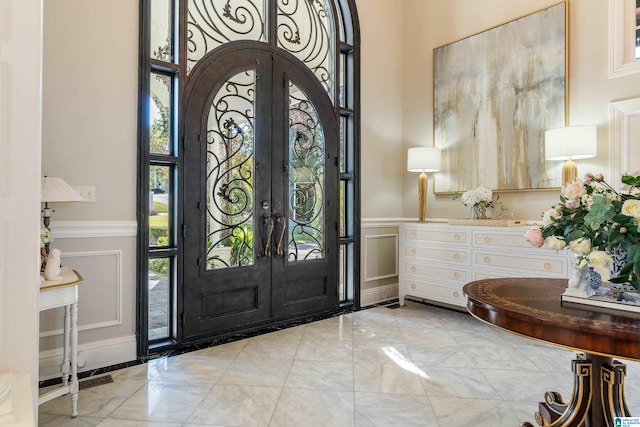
(438,259)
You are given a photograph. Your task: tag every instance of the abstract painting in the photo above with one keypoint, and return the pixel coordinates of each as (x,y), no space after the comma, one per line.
(495,94)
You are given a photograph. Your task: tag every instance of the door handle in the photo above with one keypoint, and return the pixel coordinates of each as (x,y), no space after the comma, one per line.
(279,251)
(268,221)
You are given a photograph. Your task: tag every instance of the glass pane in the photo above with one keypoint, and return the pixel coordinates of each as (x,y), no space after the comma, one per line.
(160,38)
(343,198)
(306,30)
(159,286)
(213,23)
(160,114)
(343,140)
(159,213)
(306,179)
(230,174)
(342,93)
(341,281)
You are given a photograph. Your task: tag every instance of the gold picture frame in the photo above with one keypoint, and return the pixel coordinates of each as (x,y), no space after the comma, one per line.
(495,94)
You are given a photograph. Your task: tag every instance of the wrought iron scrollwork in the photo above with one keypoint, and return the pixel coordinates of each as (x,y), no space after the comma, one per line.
(230,174)
(212,23)
(304,30)
(306,179)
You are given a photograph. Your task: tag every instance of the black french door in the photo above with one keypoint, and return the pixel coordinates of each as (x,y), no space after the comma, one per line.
(260,192)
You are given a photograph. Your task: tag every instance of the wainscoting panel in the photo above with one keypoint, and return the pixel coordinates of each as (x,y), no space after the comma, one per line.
(380,256)
(100,294)
(379,262)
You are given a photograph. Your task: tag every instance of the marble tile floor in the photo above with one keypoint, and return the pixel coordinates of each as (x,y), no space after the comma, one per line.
(415,366)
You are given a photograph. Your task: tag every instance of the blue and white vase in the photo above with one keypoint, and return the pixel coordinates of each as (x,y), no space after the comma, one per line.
(618,260)
(595,279)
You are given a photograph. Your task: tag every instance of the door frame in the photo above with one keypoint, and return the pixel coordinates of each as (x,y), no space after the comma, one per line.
(348,53)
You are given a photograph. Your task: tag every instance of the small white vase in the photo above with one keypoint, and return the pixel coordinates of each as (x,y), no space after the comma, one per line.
(52,269)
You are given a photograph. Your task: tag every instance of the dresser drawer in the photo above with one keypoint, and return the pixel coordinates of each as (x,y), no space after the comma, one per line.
(521,264)
(436,236)
(505,241)
(458,256)
(451,294)
(438,272)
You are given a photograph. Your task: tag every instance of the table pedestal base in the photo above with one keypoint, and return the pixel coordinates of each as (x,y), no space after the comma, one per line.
(597,397)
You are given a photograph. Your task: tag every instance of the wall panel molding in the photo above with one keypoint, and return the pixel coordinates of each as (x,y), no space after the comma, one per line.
(368,250)
(93,229)
(84,302)
(622,17)
(621,134)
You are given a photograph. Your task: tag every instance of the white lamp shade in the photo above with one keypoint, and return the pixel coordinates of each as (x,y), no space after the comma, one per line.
(57,190)
(575,142)
(423,159)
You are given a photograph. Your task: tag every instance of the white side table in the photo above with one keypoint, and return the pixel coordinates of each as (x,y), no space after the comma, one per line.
(64,293)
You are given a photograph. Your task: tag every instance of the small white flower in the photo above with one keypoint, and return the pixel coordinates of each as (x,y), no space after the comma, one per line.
(599,259)
(549,215)
(587,201)
(631,208)
(580,246)
(582,262)
(555,243)
(46,236)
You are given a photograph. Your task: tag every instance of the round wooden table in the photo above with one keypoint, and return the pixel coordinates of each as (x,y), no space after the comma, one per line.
(532,307)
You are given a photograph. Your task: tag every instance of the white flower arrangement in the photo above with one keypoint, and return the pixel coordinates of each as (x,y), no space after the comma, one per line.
(46,237)
(481,194)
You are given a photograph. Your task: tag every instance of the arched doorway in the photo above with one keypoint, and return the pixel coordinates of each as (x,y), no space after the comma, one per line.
(257,102)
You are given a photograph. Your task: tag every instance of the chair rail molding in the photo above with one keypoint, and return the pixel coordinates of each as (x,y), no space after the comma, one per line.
(93,229)
(622,17)
(621,132)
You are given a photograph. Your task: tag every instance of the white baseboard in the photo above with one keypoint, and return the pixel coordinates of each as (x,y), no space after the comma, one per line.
(94,355)
(378,294)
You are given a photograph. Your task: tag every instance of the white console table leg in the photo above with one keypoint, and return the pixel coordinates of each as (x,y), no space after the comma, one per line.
(73,389)
(65,352)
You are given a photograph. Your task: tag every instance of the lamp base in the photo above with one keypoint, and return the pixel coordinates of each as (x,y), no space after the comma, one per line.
(569,172)
(422,197)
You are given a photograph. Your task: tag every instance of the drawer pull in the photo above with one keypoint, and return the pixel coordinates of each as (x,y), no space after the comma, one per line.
(413,251)
(456,294)
(456,256)
(413,268)
(487,239)
(547,266)
(456,237)
(413,286)
(413,234)
(456,275)
(487,260)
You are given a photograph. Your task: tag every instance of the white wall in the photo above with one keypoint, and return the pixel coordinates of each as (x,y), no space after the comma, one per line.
(381,28)
(432,23)
(90,104)
(20,138)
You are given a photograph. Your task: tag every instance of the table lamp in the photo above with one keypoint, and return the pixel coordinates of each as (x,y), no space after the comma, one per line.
(423,160)
(56,190)
(569,143)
